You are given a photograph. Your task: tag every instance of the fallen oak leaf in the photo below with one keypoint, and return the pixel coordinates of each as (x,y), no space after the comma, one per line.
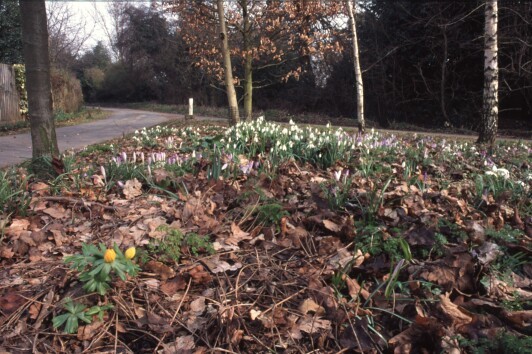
(237,235)
(160,269)
(132,189)
(458,316)
(331,226)
(309,305)
(355,289)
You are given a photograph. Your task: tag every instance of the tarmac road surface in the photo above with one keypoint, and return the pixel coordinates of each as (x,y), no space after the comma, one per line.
(15,149)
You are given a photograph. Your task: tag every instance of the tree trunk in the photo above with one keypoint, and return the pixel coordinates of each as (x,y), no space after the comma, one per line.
(447,122)
(248,64)
(228,68)
(490,109)
(35,43)
(358,73)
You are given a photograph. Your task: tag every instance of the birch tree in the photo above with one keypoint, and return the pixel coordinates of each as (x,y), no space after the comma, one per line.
(35,44)
(490,107)
(359,85)
(228,68)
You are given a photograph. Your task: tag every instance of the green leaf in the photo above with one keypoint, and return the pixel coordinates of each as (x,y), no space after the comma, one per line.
(59,320)
(71,324)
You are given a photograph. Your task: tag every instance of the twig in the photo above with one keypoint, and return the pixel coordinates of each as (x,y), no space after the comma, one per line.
(75,201)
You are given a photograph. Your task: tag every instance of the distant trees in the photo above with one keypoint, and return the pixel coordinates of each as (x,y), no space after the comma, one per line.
(270,41)
(10,32)
(420,61)
(67,35)
(35,43)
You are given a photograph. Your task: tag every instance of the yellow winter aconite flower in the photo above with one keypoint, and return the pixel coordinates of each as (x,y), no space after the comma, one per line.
(109,256)
(130,253)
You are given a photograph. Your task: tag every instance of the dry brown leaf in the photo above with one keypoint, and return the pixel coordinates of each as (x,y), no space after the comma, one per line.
(34,310)
(253,314)
(309,305)
(199,275)
(16,227)
(173,285)
(180,345)
(6,252)
(10,302)
(216,265)
(237,336)
(40,188)
(452,310)
(191,208)
(132,188)
(87,332)
(162,270)
(57,212)
(237,235)
(198,306)
(58,237)
(355,289)
(331,226)
(313,324)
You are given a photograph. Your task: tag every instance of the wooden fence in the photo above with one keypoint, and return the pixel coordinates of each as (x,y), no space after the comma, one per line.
(9,98)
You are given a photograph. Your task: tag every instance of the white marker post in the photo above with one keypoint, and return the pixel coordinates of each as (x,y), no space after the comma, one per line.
(190,114)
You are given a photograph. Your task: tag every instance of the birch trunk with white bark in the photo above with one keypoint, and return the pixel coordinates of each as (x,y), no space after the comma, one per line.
(358,73)
(490,107)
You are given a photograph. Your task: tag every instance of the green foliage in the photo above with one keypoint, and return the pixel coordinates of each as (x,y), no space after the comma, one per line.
(499,187)
(10,33)
(76,312)
(337,191)
(503,343)
(506,234)
(271,213)
(370,202)
(170,247)
(20,81)
(95,271)
(123,171)
(372,240)
(14,197)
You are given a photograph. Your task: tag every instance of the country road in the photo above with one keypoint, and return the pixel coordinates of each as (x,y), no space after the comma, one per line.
(14,149)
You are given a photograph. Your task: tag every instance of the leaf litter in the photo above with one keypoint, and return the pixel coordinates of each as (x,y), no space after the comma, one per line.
(413,259)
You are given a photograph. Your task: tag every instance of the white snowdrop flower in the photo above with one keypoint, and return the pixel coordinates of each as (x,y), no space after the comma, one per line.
(503,173)
(337,175)
(284,131)
(234,146)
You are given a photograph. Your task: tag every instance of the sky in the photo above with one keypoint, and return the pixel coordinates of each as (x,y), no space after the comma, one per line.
(90,14)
